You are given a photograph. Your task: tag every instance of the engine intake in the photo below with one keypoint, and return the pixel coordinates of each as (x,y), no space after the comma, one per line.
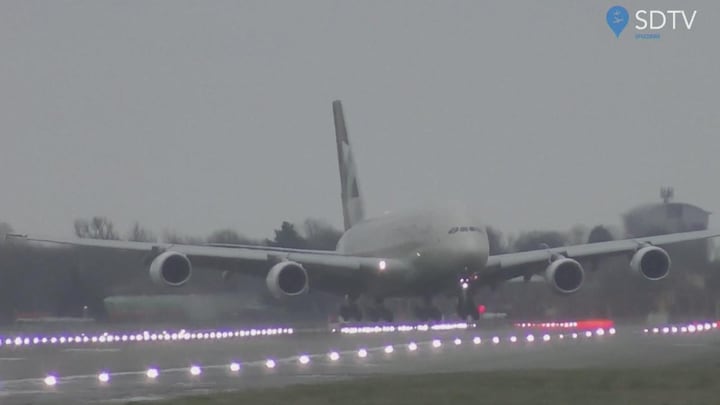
(565,275)
(651,262)
(171,269)
(287,279)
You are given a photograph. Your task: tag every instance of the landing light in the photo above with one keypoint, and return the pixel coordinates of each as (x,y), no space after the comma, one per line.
(50,381)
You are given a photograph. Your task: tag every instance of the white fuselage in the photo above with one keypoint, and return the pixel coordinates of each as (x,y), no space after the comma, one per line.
(437,245)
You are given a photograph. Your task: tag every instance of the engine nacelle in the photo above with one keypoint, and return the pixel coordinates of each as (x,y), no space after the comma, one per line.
(651,262)
(565,275)
(170,269)
(287,279)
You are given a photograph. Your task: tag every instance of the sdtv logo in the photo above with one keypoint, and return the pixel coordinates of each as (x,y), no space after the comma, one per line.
(649,21)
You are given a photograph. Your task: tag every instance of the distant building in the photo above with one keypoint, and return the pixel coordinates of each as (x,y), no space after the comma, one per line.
(665,217)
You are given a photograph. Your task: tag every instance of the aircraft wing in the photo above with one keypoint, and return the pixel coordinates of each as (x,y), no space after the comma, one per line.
(328,270)
(525,264)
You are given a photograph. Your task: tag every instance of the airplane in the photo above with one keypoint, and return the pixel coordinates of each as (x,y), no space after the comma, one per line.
(417,254)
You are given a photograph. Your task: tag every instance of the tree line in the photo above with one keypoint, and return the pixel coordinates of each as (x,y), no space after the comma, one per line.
(311,234)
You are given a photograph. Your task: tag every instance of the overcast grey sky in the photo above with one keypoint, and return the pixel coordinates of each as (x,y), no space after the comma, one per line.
(194,115)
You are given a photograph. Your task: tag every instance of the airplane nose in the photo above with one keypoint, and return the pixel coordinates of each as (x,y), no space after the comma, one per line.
(471,250)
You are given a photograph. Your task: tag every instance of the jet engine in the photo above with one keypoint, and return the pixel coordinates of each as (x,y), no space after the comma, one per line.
(565,275)
(287,279)
(171,269)
(652,262)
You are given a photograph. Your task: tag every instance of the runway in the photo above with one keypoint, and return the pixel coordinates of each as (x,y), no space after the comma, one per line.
(70,373)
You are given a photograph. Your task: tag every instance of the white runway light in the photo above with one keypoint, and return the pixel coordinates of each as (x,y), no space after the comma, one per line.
(50,381)
(513,339)
(389,349)
(304,359)
(412,346)
(530,338)
(362,353)
(477,340)
(103,377)
(195,370)
(496,340)
(334,356)
(546,338)
(457,342)
(152,373)
(270,363)
(234,367)
(436,343)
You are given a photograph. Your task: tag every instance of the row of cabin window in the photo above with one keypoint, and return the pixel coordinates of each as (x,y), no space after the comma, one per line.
(464,229)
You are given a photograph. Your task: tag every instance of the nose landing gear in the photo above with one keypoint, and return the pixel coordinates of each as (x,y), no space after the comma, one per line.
(466,307)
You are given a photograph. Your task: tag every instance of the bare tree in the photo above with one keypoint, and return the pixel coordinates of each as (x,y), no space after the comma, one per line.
(578,234)
(5,228)
(176,238)
(229,236)
(288,237)
(320,235)
(139,234)
(96,228)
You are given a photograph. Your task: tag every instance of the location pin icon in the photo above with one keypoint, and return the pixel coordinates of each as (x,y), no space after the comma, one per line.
(617,19)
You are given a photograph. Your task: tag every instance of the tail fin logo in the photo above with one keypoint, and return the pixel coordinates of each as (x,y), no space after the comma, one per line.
(353,210)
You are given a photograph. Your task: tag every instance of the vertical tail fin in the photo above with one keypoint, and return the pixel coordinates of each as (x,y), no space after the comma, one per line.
(353,210)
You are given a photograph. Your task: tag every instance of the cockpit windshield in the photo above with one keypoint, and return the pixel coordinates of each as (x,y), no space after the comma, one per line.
(456,229)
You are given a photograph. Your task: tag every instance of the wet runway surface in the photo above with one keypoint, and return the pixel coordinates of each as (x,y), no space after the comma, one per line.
(76,367)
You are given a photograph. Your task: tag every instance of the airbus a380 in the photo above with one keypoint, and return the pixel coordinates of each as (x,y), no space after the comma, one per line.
(417,254)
